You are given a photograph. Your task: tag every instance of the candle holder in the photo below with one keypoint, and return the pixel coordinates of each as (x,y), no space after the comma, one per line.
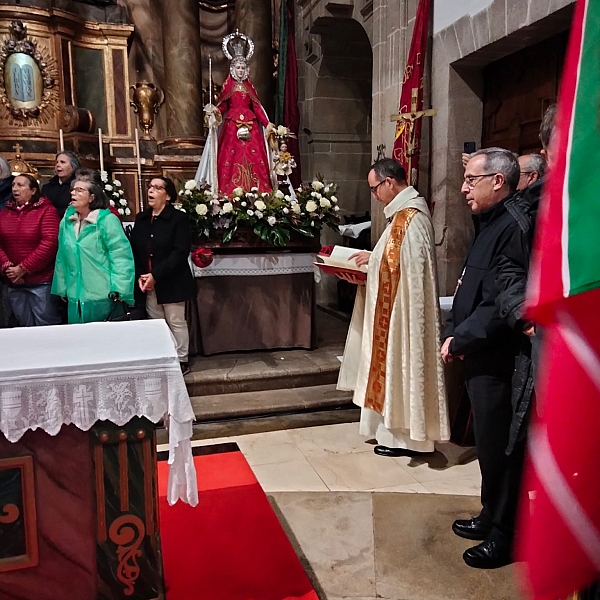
(146,101)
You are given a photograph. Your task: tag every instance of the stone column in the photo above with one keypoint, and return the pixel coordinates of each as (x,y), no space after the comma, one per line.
(183,80)
(253,17)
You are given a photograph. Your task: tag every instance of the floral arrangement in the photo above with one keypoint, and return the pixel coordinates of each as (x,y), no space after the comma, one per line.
(271,215)
(116,195)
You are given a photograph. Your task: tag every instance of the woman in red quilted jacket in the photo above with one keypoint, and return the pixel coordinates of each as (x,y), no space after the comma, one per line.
(28,245)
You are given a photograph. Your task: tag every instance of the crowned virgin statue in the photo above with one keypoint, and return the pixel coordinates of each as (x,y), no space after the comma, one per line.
(237,151)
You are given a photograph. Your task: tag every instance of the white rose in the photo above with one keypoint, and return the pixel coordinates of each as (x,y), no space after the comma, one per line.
(104,176)
(324,203)
(271,221)
(258,214)
(112,202)
(180,192)
(312,223)
(311,206)
(227,207)
(123,202)
(296,208)
(254,189)
(264,194)
(238,192)
(117,182)
(190,185)
(121,193)
(244,204)
(250,212)
(260,205)
(121,211)
(208,193)
(127,212)
(334,199)
(285,211)
(336,208)
(188,192)
(326,190)
(108,187)
(288,198)
(317,185)
(279,194)
(281,130)
(201,209)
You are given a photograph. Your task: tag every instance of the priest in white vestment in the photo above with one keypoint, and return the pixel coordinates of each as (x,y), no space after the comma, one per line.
(392,357)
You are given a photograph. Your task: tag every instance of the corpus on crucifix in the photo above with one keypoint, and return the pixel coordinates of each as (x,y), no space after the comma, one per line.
(408,130)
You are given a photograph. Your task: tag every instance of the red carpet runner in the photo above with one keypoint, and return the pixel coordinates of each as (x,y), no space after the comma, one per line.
(231,546)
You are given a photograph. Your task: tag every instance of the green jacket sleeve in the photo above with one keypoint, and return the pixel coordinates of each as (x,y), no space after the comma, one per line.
(59,282)
(120,256)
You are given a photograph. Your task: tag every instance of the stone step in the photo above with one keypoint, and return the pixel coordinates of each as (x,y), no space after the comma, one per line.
(222,406)
(257,372)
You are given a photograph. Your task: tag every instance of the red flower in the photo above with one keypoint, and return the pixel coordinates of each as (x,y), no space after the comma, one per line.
(202,257)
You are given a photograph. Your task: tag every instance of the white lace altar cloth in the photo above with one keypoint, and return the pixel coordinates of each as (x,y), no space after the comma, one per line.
(257,264)
(79,374)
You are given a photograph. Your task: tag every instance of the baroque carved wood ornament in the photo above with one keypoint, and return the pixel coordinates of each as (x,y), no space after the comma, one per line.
(28,79)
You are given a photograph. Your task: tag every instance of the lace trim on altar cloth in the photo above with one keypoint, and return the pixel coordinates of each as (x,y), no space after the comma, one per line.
(257,264)
(81,401)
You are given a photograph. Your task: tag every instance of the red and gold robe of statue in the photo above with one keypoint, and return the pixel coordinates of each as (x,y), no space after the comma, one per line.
(240,163)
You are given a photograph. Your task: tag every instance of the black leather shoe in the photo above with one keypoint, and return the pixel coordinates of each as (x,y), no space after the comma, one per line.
(487,555)
(471,529)
(185,368)
(385,451)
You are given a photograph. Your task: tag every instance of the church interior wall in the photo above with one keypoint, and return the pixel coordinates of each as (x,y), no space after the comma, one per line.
(460,53)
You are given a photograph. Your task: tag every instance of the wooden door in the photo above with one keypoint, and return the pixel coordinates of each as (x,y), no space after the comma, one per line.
(517,91)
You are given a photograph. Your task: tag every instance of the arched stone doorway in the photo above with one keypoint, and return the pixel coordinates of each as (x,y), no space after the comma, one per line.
(336,78)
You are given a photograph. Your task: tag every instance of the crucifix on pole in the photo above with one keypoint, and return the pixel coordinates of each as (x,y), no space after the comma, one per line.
(409,119)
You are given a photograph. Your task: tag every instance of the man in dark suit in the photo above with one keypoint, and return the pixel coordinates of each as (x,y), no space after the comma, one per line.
(476,333)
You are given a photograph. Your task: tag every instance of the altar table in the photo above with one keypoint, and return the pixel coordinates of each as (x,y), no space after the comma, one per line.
(253,302)
(78,491)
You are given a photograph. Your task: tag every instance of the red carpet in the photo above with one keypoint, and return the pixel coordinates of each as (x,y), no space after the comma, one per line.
(231,546)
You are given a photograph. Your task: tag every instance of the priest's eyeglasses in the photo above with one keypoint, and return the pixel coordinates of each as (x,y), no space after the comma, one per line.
(376,187)
(472,180)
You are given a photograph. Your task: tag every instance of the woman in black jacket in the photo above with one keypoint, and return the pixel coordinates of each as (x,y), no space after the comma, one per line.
(161,240)
(58,189)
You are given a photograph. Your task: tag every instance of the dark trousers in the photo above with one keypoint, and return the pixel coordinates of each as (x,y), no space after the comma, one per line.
(490,396)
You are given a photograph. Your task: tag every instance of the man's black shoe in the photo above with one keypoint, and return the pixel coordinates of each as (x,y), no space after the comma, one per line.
(471,529)
(185,368)
(487,555)
(392,452)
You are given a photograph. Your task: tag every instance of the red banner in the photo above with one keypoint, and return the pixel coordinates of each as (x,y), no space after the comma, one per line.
(413,79)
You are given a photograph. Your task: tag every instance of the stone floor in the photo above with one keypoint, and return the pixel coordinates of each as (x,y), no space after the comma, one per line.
(365,526)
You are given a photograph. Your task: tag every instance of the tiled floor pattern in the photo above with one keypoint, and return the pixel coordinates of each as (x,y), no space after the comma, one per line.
(336,458)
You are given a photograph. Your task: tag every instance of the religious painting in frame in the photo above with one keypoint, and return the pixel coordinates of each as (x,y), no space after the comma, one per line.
(28,78)
(18,520)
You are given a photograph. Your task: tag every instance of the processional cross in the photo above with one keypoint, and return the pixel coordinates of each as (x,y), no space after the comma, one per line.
(409,121)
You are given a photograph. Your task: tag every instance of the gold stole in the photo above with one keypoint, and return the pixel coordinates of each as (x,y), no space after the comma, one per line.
(389,278)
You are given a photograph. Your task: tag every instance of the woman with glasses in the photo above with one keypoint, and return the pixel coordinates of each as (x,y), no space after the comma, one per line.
(94,258)
(161,240)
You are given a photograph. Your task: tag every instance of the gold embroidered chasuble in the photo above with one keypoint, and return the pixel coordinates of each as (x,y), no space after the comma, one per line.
(391,359)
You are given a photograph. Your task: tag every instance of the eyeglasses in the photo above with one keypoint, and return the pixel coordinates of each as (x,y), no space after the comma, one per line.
(526,172)
(155,187)
(376,187)
(472,180)
(80,190)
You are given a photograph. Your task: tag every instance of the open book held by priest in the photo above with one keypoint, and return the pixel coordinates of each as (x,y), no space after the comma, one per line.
(336,260)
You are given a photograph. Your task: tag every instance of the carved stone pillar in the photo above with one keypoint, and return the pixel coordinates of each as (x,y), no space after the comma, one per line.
(253,17)
(183,82)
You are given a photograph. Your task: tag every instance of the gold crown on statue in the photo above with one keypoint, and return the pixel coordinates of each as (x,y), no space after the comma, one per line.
(238,45)
(20,167)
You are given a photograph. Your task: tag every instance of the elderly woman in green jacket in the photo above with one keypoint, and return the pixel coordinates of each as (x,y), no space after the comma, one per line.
(94,256)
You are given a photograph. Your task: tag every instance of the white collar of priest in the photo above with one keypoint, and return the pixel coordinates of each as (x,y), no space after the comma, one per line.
(405,197)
